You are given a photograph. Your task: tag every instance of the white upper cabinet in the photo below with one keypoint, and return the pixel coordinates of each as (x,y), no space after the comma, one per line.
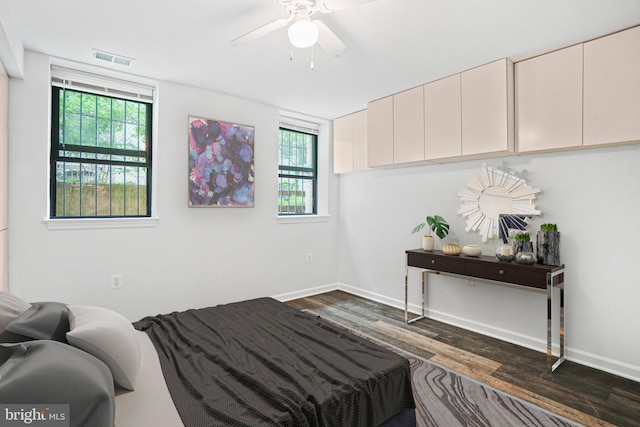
(443,118)
(549,101)
(408,126)
(612,88)
(350,142)
(342,145)
(380,132)
(487,109)
(583,95)
(359,121)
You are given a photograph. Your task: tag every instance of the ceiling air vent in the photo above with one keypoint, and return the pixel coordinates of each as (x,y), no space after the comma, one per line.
(113,58)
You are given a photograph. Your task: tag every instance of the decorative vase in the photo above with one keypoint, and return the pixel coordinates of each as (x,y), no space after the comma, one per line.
(504,253)
(524,247)
(548,247)
(427,242)
(451,249)
(526,257)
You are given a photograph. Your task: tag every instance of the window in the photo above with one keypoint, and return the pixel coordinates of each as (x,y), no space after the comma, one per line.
(100,147)
(298,172)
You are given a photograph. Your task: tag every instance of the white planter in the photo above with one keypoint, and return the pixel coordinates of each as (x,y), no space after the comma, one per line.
(427,243)
(472,250)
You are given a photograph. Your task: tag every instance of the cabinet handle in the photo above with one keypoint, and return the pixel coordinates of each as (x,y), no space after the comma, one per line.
(501,271)
(433,261)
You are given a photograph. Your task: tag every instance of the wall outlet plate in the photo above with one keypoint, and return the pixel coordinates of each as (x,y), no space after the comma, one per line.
(116,281)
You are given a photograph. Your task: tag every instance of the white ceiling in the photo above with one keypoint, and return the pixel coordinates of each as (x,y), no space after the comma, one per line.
(392,45)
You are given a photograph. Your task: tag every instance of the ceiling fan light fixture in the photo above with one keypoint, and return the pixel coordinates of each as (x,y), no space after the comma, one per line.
(303,33)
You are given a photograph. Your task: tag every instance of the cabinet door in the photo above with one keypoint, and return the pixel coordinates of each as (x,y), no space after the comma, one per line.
(408,126)
(359,138)
(350,142)
(343,144)
(443,118)
(549,101)
(380,132)
(612,88)
(487,109)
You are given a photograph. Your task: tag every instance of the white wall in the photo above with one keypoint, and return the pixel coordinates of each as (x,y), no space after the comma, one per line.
(195,256)
(593,197)
(200,257)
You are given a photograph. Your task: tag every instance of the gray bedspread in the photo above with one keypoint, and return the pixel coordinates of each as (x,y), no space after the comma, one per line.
(263,363)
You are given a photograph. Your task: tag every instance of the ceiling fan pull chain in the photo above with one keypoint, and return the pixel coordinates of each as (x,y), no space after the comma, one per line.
(311,65)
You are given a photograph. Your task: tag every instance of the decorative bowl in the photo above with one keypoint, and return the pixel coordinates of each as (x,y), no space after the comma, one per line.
(472,250)
(451,249)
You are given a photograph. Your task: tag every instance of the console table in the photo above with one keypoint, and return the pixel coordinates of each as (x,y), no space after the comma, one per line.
(532,277)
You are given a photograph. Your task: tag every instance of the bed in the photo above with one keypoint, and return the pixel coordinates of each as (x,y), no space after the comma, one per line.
(253,363)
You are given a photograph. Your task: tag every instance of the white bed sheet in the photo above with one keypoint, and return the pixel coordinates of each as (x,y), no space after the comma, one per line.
(150,404)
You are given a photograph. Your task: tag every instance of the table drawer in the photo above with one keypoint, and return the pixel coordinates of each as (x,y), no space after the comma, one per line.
(508,273)
(443,263)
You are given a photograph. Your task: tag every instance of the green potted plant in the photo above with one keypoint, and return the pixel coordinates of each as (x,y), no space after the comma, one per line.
(548,244)
(435,223)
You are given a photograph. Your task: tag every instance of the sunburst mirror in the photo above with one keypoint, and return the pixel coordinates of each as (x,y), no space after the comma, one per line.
(492,192)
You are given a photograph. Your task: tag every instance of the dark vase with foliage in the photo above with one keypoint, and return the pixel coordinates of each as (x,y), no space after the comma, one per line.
(523,243)
(548,245)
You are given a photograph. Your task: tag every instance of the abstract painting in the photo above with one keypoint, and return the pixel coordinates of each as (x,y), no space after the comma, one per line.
(221,164)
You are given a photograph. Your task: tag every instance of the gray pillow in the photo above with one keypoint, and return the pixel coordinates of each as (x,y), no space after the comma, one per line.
(42,321)
(10,307)
(9,337)
(55,373)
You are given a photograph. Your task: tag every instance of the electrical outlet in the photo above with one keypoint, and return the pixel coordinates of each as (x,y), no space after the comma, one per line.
(116,281)
(309,257)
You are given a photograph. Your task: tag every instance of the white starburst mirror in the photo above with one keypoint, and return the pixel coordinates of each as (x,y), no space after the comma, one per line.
(492,192)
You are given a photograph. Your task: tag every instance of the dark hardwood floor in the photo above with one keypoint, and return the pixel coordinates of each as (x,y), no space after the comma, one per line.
(582,394)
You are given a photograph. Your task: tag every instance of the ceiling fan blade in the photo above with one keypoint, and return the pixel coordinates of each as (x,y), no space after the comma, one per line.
(334,5)
(328,40)
(260,31)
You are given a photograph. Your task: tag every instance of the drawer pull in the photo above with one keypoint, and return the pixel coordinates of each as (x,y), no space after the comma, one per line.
(501,271)
(433,261)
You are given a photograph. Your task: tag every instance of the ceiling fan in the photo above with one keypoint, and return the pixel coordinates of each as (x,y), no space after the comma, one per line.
(304,32)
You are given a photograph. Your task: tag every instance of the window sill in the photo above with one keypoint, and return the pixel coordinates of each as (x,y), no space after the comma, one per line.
(298,219)
(99,223)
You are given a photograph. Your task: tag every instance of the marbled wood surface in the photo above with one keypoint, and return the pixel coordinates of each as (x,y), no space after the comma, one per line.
(573,391)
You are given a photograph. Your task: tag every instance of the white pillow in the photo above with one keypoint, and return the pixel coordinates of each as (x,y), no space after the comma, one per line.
(108,336)
(10,308)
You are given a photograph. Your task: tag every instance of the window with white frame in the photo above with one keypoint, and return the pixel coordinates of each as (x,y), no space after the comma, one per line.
(100,146)
(298,169)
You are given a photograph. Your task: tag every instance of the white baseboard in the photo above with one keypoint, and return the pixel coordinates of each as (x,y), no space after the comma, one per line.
(595,361)
(606,364)
(414,309)
(306,292)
